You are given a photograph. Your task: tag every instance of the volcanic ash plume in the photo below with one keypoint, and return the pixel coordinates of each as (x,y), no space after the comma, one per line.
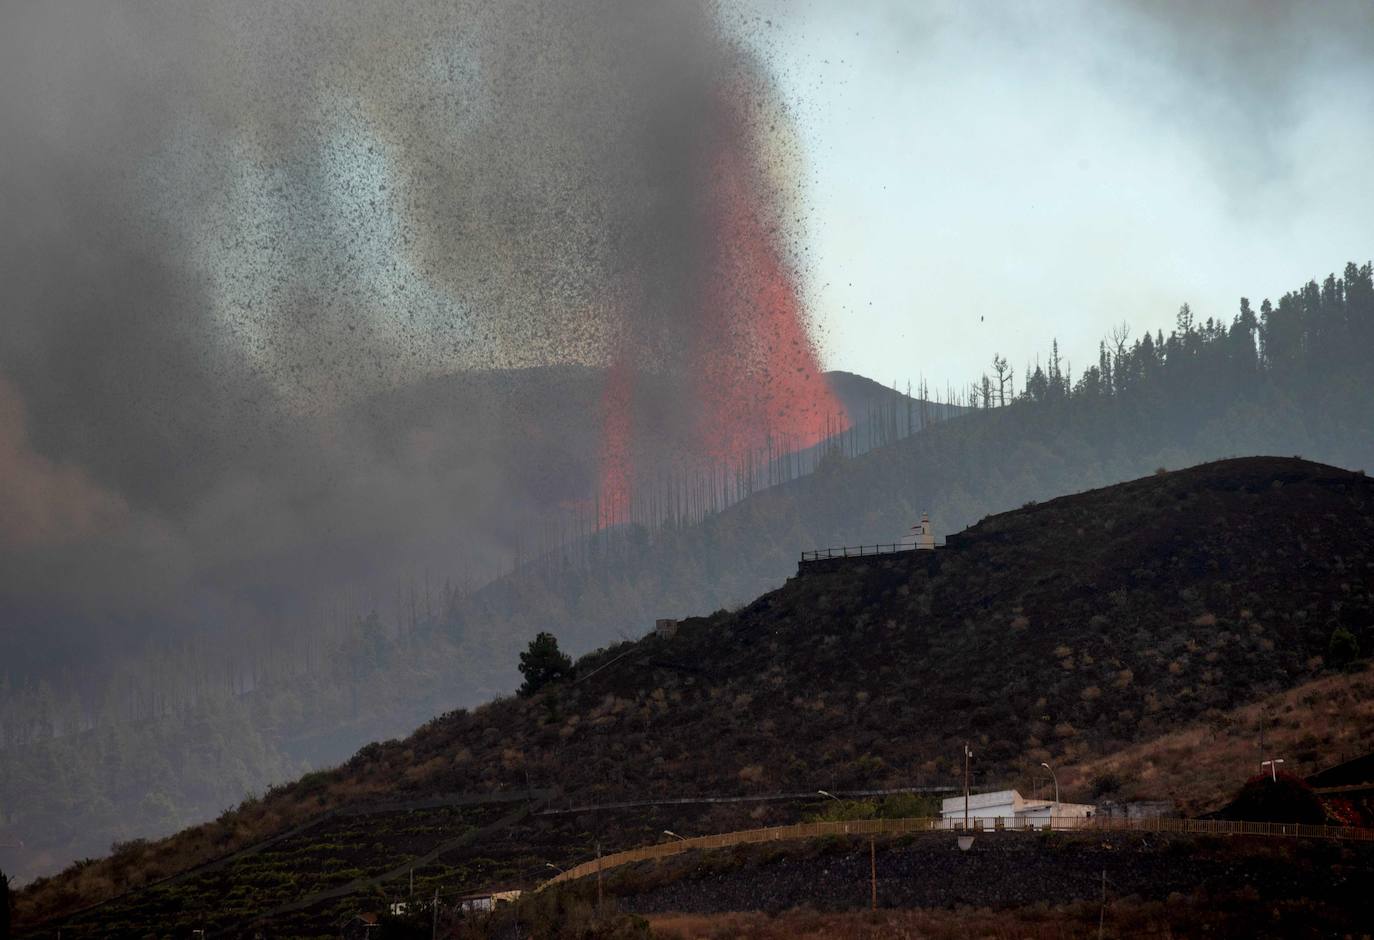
(246,245)
(624,197)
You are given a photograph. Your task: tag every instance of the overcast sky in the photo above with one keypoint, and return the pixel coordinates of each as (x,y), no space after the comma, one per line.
(984,177)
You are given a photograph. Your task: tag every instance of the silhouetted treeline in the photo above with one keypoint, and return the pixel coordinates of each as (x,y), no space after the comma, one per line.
(1312,334)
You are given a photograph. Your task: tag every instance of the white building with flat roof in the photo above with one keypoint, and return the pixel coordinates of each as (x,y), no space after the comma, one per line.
(1009,809)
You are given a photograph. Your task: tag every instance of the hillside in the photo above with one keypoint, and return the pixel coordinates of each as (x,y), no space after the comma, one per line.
(539,430)
(372,659)
(1090,620)
(1289,378)
(1064,631)
(1311,726)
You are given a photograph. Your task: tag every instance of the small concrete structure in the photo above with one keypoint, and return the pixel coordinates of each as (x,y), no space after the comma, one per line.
(1008,809)
(481,903)
(665,628)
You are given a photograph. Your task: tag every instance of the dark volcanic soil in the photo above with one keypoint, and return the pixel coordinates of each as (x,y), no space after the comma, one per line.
(1004,870)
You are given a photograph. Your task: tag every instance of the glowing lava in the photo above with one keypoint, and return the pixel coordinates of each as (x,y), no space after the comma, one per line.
(755,375)
(760,376)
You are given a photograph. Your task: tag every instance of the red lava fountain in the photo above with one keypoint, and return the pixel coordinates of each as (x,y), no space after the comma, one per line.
(756,375)
(760,375)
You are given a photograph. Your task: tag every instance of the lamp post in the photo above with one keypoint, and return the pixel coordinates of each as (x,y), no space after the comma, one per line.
(1055,778)
(832,796)
(968,756)
(669,832)
(1272,764)
(561,871)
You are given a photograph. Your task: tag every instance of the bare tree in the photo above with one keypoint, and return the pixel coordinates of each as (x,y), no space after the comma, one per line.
(1119,336)
(1004,377)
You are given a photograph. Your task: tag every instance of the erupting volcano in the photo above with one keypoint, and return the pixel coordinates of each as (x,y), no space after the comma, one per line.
(754,375)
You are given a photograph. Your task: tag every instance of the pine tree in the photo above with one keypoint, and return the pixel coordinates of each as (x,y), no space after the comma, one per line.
(543,663)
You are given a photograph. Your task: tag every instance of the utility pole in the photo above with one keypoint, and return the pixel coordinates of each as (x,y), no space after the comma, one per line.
(1102,914)
(598,879)
(434,929)
(873,868)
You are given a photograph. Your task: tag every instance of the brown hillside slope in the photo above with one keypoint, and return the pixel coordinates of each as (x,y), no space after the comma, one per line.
(1063,631)
(1311,727)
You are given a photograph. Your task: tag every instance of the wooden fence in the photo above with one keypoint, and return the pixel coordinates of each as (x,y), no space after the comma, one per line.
(887,827)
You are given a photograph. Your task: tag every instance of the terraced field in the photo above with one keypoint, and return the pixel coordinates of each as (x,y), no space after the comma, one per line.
(309,879)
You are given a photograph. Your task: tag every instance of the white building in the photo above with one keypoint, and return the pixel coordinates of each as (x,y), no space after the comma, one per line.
(1010,810)
(925,535)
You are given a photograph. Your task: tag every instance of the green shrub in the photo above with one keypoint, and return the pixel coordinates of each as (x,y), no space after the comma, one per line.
(908,805)
(1343,648)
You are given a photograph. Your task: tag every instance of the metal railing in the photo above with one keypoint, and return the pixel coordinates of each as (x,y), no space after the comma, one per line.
(857,551)
(874,827)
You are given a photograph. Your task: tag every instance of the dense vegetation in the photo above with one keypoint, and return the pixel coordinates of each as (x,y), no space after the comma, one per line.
(1058,632)
(1288,378)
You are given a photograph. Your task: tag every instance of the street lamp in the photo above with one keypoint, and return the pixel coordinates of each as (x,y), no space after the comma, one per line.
(831,795)
(1272,764)
(555,868)
(1056,783)
(669,832)
(968,756)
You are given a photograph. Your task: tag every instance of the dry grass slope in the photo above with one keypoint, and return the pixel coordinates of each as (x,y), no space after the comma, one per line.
(1312,726)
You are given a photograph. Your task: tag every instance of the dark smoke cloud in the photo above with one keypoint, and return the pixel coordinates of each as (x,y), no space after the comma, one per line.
(259,257)
(45,504)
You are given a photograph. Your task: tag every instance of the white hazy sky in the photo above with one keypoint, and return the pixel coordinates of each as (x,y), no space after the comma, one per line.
(985,177)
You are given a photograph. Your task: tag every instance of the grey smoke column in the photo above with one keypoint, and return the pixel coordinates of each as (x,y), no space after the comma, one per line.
(229,228)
